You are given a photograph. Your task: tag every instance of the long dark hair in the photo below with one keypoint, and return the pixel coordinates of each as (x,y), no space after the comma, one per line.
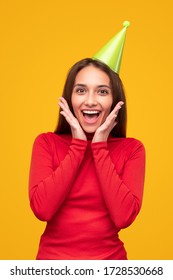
(117,91)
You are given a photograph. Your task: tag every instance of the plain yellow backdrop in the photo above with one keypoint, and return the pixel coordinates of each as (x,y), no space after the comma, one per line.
(40,40)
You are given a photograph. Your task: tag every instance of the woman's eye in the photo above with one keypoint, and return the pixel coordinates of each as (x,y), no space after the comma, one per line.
(80,90)
(103,91)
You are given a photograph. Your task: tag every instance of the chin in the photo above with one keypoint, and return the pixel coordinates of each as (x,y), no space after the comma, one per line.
(89,130)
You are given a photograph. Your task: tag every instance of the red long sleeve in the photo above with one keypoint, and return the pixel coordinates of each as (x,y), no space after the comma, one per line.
(86,192)
(122,187)
(48,184)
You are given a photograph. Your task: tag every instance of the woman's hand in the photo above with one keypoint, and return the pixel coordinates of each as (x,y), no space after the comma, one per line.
(104,130)
(77,131)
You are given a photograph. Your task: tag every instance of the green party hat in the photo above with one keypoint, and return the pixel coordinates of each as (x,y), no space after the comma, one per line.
(111,53)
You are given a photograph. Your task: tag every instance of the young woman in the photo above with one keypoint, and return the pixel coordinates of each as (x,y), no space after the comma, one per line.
(86,178)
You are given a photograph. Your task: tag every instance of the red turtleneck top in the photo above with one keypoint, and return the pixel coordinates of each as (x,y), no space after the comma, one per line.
(86,192)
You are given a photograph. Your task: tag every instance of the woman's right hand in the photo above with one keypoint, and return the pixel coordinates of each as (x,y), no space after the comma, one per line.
(76,129)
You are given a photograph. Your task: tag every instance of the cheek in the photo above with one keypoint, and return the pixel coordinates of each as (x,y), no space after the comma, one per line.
(108,105)
(75,101)
(107,110)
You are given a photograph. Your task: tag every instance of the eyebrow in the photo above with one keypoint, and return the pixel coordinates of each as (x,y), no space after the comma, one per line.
(100,86)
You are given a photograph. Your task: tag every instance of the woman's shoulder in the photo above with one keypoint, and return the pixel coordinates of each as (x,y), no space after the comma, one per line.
(128,145)
(51,137)
(125,141)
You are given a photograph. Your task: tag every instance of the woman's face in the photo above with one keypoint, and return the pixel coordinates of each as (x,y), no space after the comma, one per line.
(91,98)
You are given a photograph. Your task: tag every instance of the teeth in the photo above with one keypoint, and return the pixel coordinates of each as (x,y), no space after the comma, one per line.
(91,112)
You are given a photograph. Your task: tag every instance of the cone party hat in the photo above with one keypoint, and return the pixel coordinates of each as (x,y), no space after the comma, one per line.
(111,53)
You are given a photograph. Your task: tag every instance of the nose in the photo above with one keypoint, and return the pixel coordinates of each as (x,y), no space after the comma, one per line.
(90,100)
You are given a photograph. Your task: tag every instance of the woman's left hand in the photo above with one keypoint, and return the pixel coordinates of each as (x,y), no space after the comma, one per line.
(104,130)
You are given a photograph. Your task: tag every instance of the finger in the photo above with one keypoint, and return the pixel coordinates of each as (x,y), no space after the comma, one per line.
(107,127)
(68,118)
(65,109)
(64,106)
(111,117)
(62,99)
(112,126)
(116,108)
(110,120)
(65,115)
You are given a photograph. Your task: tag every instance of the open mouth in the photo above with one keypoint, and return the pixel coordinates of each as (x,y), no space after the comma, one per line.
(90,116)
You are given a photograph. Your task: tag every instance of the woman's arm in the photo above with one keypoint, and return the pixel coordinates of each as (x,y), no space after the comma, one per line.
(48,188)
(122,195)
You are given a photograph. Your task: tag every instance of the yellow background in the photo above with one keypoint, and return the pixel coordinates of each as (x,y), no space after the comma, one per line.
(40,40)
